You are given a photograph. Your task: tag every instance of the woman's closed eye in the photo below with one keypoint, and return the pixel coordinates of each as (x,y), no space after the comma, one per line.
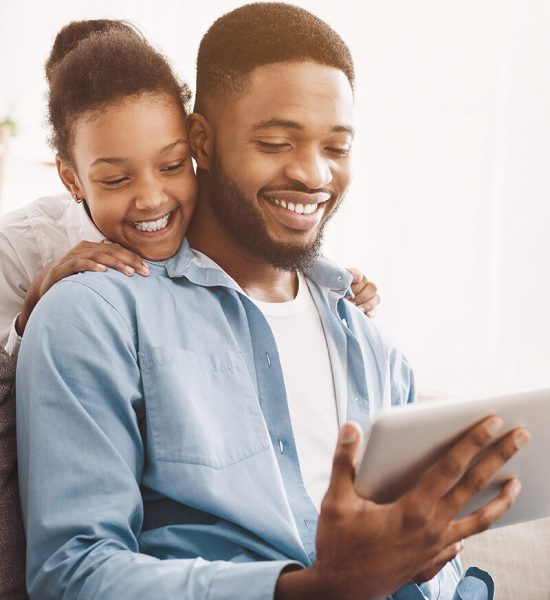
(175,168)
(114,182)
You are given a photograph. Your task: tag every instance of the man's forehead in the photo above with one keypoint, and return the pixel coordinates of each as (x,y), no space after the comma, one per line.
(291,94)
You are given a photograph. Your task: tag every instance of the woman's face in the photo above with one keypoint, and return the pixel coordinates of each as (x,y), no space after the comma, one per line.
(132,164)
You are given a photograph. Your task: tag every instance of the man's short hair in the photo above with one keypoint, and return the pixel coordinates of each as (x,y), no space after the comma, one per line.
(261,34)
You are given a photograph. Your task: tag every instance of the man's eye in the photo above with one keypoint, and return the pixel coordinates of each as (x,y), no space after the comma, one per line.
(114,182)
(271,147)
(174,168)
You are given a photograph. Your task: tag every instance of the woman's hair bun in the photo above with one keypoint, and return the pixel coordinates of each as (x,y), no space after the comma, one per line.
(76,31)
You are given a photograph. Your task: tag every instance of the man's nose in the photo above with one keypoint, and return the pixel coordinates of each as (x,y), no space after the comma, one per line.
(150,195)
(310,168)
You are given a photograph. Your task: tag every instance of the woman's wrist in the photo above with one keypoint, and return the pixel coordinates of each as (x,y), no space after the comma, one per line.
(31,299)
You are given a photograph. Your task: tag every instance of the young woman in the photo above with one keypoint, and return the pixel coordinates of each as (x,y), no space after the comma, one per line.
(126,203)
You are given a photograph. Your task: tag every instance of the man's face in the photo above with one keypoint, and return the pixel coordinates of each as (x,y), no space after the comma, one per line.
(282,160)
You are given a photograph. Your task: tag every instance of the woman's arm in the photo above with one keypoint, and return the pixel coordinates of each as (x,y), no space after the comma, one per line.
(35,254)
(85,256)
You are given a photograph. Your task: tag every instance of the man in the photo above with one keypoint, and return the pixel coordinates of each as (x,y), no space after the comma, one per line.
(176,432)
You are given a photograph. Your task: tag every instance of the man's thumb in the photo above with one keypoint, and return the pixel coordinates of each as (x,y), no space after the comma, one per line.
(343,466)
(349,434)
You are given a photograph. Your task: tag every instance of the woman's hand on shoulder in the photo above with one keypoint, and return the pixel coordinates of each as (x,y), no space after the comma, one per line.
(366,296)
(85,256)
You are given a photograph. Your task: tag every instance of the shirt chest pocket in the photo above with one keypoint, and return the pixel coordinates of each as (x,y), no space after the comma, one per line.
(201,408)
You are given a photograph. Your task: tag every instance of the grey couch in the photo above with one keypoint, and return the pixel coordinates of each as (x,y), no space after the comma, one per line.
(518,558)
(12,539)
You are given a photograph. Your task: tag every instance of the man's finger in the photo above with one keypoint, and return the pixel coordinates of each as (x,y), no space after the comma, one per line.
(343,464)
(455,462)
(439,561)
(480,474)
(484,517)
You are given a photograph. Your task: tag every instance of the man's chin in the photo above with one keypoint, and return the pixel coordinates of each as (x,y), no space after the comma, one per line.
(290,256)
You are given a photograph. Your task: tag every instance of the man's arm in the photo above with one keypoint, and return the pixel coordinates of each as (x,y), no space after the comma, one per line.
(366,550)
(81,458)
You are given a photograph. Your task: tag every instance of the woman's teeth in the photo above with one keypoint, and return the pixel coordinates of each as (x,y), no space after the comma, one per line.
(153,225)
(301,209)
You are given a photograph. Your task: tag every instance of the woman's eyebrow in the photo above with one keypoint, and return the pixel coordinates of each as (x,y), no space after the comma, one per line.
(116,160)
(172,145)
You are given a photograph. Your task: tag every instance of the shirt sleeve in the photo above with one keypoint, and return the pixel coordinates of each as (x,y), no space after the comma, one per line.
(81,457)
(14,339)
(20,262)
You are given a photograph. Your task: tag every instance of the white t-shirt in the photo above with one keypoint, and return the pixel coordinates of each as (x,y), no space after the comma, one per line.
(31,239)
(309,383)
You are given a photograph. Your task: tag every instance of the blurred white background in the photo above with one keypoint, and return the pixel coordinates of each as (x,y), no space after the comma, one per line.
(449,211)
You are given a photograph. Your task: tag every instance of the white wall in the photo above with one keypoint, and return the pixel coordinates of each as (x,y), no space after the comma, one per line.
(449,210)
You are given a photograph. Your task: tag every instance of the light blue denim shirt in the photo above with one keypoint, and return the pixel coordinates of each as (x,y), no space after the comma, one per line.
(156,453)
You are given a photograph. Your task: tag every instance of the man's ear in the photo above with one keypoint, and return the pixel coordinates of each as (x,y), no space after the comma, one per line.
(68,176)
(201,139)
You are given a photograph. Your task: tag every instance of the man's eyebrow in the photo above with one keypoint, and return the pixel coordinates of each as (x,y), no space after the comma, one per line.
(270,123)
(344,129)
(116,160)
(286,124)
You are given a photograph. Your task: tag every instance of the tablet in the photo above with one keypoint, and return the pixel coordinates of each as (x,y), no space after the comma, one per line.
(403,442)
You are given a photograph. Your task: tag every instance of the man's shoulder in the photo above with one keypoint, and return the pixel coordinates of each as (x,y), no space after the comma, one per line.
(88,297)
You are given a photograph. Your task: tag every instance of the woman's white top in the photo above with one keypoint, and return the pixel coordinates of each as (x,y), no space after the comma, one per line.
(32,238)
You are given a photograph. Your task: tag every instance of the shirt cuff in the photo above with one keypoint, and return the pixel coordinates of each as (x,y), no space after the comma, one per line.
(476,584)
(14,340)
(248,581)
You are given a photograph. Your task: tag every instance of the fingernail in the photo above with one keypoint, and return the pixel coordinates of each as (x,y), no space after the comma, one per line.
(371,313)
(348,434)
(100,267)
(493,425)
(521,438)
(145,268)
(129,270)
(516,488)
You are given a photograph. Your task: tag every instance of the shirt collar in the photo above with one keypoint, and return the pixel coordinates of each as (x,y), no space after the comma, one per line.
(201,270)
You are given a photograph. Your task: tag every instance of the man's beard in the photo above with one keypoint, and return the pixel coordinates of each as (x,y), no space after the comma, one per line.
(243,222)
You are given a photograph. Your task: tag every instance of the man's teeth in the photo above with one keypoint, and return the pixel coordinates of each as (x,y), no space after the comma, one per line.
(301,209)
(153,225)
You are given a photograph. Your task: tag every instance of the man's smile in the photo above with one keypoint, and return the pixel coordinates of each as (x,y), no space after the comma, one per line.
(297,210)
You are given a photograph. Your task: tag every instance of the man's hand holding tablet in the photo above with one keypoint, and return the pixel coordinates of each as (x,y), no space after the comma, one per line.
(367,550)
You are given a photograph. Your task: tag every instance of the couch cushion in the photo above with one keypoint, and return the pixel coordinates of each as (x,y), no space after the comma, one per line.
(12,539)
(517,557)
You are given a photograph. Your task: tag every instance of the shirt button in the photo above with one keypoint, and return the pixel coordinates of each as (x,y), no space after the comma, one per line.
(309,524)
(339,278)
(268,358)
(356,399)
(281,446)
